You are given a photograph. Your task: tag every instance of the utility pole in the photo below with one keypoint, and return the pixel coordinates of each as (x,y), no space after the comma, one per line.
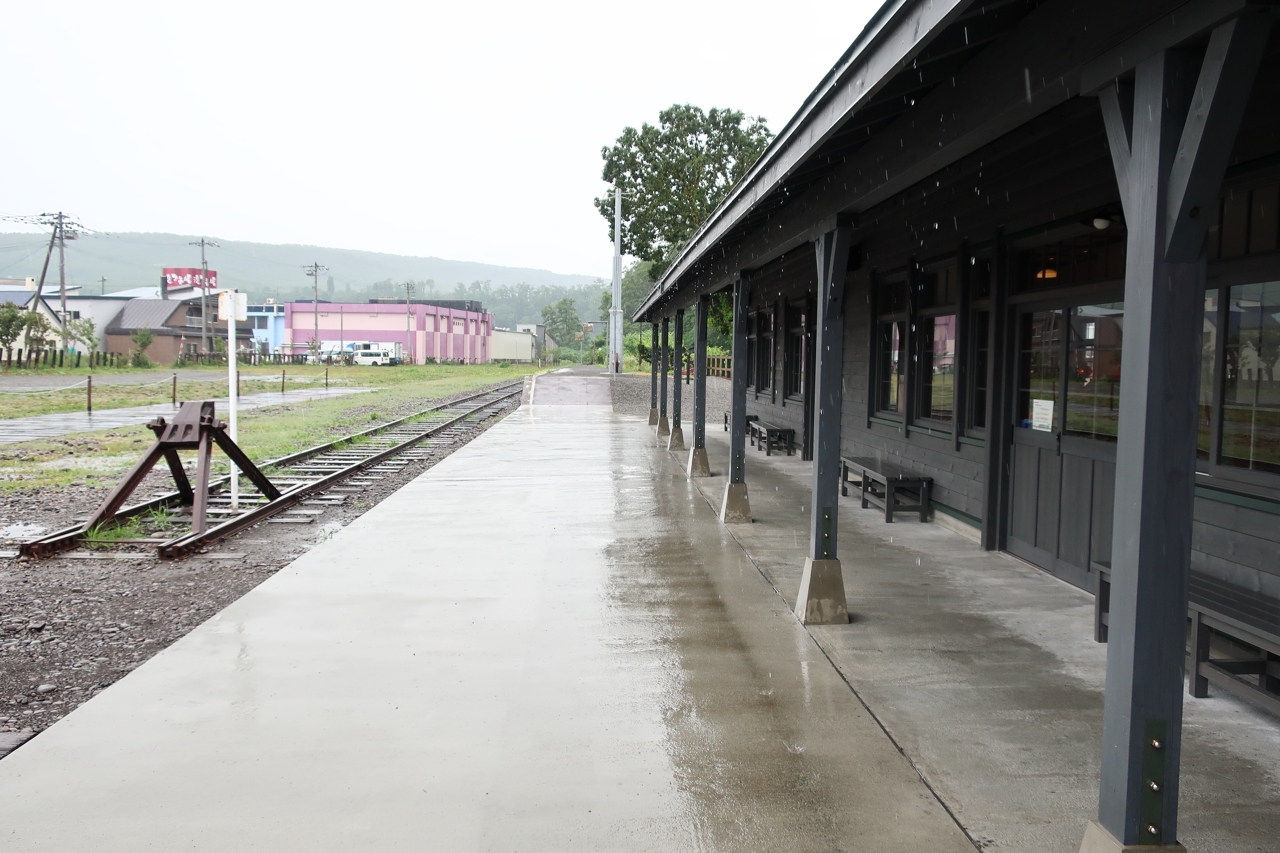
(103,281)
(62,278)
(204,292)
(615,307)
(314,269)
(408,319)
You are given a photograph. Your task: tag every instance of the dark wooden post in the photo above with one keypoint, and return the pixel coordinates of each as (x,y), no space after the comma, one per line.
(821,600)
(735,508)
(677,434)
(664,426)
(89,397)
(699,465)
(1170,135)
(653,379)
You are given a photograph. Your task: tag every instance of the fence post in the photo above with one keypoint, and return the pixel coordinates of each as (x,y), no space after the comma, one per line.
(282,380)
(89,404)
(175,389)
(326,379)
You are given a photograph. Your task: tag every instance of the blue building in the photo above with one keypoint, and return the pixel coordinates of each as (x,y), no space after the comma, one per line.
(267,322)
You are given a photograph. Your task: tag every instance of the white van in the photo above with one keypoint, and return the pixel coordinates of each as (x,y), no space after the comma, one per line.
(374,358)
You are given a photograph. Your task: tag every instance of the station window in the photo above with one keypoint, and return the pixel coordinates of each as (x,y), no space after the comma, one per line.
(752,347)
(1090,258)
(764,351)
(935,332)
(979,341)
(795,350)
(1245,222)
(891,346)
(1250,392)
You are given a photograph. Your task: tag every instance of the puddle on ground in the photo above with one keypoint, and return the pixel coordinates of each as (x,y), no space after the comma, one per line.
(21,530)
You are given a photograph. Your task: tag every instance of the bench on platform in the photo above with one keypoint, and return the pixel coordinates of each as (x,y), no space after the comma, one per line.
(881,483)
(1233,638)
(766,436)
(749,419)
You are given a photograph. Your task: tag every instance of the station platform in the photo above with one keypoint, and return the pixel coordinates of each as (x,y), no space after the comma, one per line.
(549,642)
(545,642)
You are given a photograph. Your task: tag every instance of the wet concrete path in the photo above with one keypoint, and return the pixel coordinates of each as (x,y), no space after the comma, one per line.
(13,430)
(984,670)
(546,642)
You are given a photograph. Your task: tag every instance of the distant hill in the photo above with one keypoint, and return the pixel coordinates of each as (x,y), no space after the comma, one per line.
(263,269)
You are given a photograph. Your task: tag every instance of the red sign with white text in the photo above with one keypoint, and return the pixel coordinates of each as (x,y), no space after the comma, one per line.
(180,278)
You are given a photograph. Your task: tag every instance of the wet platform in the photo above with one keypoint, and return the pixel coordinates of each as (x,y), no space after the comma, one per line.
(546,642)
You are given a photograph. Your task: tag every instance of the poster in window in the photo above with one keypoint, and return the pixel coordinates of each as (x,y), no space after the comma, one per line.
(1042,415)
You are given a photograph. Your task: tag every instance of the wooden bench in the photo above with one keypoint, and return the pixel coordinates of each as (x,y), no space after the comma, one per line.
(1233,638)
(767,436)
(750,418)
(881,483)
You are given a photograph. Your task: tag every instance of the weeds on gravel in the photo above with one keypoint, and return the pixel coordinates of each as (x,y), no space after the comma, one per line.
(109,532)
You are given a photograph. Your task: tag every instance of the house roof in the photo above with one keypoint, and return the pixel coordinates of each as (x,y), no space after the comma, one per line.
(143,314)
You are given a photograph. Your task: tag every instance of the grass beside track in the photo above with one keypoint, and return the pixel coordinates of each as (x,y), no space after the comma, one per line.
(98,459)
(153,385)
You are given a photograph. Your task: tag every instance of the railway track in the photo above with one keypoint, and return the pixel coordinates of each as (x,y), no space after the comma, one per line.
(356,460)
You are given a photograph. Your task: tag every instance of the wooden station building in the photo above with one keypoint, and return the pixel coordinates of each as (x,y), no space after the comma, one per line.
(1030,249)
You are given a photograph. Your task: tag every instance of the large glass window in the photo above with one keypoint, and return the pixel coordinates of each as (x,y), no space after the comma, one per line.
(1250,391)
(892,360)
(1039,369)
(937,367)
(1208,362)
(795,350)
(1093,371)
(935,336)
(891,347)
(764,351)
(978,374)
(1095,257)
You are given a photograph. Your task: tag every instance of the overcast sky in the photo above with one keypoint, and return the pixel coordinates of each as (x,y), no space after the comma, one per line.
(469,131)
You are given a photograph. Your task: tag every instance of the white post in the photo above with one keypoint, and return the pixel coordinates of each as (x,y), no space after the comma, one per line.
(615,308)
(231,393)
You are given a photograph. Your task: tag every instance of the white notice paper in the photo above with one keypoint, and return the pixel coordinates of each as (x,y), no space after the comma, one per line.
(1042,415)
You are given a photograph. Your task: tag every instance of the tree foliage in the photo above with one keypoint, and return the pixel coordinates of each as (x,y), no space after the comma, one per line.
(38,330)
(675,174)
(562,321)
(12,321)
(83,330)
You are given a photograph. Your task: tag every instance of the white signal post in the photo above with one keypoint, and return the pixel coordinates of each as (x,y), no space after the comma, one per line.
(234,306)
(615,309)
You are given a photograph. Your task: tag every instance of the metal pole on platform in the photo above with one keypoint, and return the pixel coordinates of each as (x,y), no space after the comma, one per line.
(821,599)
(1171,133)
(664,426)
(735,508)
(699,465)
(677,434)
(653,378)
(229,301)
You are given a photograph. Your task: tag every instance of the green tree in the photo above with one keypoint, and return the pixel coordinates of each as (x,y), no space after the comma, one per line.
(11,323)
(562,321)
(83,331)
(142,339)
(38,330)
(675,174)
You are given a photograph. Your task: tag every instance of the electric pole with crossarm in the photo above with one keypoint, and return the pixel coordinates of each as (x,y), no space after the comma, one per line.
(314,270)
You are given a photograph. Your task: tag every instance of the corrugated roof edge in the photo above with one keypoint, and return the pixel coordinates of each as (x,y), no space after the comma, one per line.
(861,48)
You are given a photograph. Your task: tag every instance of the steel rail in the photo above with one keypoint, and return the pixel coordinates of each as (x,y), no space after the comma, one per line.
(67,537)
(191,542)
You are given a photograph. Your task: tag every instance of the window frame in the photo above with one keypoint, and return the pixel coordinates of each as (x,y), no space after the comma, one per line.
(917,313)
(1223,275)
(883,314)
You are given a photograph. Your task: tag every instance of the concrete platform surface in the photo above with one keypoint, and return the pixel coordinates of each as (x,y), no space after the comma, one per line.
(546,642)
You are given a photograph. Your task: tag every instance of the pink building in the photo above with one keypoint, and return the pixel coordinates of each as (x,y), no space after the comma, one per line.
(440,331)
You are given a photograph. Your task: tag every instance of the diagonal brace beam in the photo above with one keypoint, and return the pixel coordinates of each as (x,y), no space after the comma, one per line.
(1217,107)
